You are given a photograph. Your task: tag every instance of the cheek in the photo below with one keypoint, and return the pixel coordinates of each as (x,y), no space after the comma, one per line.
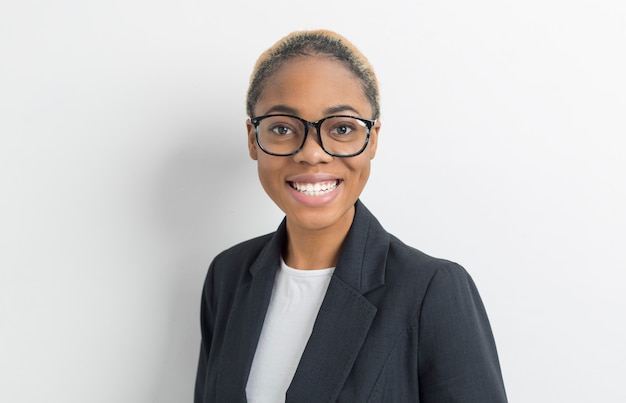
(360,165)
(360,172)
(268,170)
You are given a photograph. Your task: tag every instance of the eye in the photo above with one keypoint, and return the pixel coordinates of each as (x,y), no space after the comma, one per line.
(342,129)
(281,130)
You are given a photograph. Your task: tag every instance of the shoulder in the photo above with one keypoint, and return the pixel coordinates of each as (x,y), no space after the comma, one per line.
(246,251)
(234,263)
(405,270)
(443,287)
(426,282)
(412,262)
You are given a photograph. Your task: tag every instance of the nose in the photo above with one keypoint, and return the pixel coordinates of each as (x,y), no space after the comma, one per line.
(312,151)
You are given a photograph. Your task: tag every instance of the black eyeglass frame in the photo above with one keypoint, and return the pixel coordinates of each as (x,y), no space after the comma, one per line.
(369,123)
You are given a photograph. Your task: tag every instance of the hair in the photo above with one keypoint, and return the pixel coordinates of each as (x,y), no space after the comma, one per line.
(313,43)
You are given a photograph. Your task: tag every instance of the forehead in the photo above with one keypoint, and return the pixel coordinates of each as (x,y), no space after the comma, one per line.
(312,84)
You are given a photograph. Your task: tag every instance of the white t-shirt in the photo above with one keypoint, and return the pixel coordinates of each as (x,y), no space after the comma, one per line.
(295,302)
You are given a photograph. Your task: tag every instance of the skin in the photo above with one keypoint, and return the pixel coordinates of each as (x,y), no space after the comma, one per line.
(314,87)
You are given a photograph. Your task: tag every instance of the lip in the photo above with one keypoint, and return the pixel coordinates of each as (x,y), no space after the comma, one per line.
(314,200)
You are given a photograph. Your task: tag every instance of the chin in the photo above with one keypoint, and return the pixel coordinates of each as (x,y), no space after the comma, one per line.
(320,218)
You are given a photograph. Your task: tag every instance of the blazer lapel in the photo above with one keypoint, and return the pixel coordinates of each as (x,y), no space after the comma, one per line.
(246,321)
(340,329)
(345,316)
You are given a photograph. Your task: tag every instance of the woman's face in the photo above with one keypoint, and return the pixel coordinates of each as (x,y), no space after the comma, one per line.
(313,88)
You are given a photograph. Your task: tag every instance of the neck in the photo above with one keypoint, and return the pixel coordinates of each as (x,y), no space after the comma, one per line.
(315,249)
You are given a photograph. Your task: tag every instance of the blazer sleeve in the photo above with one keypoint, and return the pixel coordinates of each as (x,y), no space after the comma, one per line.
(457,359)
(207,320)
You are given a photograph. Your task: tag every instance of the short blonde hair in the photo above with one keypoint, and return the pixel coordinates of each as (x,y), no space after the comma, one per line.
(311,43)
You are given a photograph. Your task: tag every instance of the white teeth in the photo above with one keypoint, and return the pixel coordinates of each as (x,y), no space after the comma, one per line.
(315,189)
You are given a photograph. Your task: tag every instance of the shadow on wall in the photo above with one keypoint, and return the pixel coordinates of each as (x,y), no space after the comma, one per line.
(200,192)
(200,183)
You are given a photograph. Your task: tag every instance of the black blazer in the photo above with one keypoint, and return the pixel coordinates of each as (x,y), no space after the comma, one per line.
(395,325)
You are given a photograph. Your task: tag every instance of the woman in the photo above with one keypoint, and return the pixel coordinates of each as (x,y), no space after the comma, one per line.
(331,307)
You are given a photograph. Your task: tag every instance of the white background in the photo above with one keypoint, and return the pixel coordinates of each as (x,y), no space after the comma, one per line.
(124,170)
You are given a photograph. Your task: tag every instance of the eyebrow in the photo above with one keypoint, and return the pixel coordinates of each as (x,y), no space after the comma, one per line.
(340,108)
(281,109)
(328,111)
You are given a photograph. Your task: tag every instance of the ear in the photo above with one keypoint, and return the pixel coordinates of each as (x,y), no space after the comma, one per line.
(373,143)
(252,146)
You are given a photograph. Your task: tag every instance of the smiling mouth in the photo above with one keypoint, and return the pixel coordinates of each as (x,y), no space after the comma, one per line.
(315,189)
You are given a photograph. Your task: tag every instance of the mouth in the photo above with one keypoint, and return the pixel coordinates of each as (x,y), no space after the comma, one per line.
(316,188)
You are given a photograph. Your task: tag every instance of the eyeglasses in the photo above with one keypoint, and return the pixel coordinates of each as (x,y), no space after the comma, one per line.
(284,135)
